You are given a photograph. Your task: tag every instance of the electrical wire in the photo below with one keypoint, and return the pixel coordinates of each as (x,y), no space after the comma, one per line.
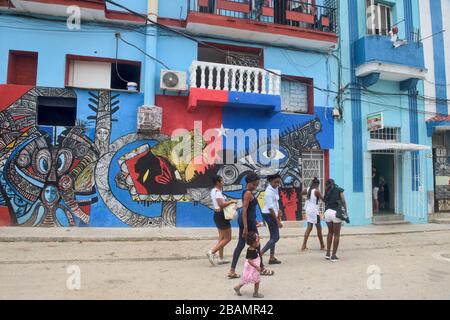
(194,39)
(117,56)
(145,53)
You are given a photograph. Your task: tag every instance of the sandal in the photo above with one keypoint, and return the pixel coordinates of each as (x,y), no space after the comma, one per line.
(233,276)
(267,272)
(274,261)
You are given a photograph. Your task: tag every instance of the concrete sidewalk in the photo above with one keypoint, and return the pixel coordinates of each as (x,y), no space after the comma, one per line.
(18,234)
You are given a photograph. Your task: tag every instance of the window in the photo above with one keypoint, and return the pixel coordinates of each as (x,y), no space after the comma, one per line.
(22,67)
(56,111)
(379,18)
(296,96)
(100,73)
(388,134)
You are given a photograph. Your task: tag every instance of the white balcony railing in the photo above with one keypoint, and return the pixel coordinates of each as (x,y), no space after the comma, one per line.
(216,76)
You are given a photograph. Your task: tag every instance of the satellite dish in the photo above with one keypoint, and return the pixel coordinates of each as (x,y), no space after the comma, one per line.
(170,79)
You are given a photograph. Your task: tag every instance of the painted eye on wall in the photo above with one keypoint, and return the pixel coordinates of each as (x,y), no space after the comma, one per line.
(270,154)
(23,159)
(63,161)
(43,161)
(274,155)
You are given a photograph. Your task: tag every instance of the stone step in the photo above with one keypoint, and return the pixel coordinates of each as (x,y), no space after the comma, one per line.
(389,223)
(388,218)
(440,215)
(293,224)
(440,220)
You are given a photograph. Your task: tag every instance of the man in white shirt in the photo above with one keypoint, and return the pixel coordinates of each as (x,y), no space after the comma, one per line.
(272,216)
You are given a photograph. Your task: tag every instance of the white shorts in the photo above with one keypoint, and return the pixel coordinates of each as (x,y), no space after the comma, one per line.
(375,193)
(311,217)
(330,216)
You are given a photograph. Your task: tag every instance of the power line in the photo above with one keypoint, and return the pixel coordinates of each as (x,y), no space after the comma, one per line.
(145,53)
(183,34)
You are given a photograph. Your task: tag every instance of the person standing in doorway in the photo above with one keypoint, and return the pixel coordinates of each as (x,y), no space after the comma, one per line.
(334,197)
(247,223)
(375,189)
(223,225)
(381,194)
(313,195)
(272,216)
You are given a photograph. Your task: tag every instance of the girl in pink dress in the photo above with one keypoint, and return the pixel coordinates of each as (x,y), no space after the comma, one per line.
(252,266)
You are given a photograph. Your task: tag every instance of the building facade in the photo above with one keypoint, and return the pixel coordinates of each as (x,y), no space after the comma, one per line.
(384,122)
(437,51)
(122,123)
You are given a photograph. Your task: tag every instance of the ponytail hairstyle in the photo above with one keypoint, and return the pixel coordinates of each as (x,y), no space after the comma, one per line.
(329,186)
(251,238)
(314,184)
(215,179)
(252,177)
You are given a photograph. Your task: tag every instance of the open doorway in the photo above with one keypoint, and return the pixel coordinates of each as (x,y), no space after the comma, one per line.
(383,182)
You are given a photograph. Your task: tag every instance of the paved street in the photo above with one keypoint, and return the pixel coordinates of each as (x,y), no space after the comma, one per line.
(413,265)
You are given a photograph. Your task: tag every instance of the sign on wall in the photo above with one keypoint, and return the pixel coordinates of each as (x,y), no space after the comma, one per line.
(375,121)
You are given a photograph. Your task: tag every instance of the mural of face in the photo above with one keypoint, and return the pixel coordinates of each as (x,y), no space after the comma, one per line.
(102,134)
(50,195)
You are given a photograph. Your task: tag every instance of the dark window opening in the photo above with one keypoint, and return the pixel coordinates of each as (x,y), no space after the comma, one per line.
(55,111)
(123,74)
(22,67)
(231,55)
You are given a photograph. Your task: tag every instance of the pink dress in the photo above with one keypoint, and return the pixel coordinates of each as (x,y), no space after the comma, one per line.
(251,274)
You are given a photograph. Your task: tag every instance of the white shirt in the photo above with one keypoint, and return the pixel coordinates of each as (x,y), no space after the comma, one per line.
(311,206)
(271,198)
(216,194)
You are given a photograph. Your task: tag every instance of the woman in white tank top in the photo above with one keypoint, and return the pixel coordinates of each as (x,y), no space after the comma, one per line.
(312,212)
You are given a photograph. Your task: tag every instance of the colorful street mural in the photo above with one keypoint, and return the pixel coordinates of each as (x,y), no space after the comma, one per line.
(102,172)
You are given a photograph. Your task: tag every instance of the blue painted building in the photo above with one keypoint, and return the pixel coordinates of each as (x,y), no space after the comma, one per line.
(436,44)
(383,130)
(98,101)
(122,123)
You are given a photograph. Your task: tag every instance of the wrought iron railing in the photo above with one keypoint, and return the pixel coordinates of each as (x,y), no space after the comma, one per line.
(301,14)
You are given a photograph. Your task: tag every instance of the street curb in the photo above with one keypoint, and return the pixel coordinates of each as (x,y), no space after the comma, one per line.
(9,239)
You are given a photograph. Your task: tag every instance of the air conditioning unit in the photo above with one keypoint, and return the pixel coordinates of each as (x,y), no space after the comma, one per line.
(173,80)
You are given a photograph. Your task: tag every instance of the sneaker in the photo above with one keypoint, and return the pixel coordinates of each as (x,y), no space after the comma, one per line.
(327,257)
(222,261)
(238,291)
(258,295)
(334,259)
(211,257)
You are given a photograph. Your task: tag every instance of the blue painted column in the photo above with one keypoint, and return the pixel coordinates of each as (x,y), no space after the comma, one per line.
(439,57)
(355,92)
(414,136)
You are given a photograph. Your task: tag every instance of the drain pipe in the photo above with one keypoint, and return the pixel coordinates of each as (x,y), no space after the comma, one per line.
(150,75)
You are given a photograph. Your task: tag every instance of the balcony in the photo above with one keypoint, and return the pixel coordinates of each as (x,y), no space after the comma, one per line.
(377,59)
(291,23)
(90,10)
(223,85)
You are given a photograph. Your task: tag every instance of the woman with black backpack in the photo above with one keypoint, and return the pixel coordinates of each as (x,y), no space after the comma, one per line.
(335,213)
